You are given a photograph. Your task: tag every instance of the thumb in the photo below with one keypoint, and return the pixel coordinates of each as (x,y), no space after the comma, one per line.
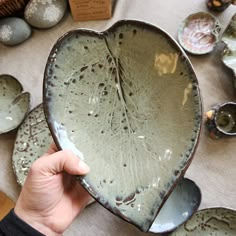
(61,161)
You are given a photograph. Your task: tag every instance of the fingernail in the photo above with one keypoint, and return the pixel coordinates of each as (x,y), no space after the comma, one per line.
(83,167)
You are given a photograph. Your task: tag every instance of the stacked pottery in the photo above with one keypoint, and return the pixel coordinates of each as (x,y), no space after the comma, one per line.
(39,14)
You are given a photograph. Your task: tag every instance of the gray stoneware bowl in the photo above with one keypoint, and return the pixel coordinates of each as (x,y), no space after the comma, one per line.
(14,103)
(127,101)
(182,203)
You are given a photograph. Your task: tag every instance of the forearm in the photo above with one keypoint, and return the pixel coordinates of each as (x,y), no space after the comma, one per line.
(12,225)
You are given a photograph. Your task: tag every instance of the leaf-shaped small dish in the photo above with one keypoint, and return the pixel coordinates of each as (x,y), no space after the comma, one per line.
(127,101)
(32,141)
(229,38)
(14,103)
(210,221)
(199,33)
(182,203)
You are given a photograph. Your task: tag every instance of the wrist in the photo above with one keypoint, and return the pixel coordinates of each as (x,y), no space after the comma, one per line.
(35,222)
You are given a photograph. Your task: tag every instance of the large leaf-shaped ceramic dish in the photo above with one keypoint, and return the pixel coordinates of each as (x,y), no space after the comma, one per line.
(211,221)
(229,38)
(14,103)
(127,101)
(32,141)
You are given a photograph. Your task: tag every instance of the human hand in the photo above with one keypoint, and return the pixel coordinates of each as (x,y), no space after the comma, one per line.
(51,197)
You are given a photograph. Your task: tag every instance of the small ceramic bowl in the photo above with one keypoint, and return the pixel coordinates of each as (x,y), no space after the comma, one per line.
(105,98)
(14,103)
(199,33)
(182,203)
(218,5)
(221,120)
(211,221)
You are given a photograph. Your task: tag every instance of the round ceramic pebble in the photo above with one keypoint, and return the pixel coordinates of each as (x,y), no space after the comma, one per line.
(13,31)
(14,104)
(32,141)
(45,13)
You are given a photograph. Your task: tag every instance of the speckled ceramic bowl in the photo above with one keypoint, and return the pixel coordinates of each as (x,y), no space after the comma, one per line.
(211,221)
(14,103)
(126,101)
(199,33)
(229,39)
(182,203)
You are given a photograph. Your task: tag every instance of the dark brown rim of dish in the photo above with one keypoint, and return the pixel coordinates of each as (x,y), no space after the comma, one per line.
(22,93)
(219,107)
(194,81)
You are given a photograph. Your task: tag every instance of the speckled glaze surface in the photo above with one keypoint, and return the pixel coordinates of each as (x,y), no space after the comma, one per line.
(32,141)
(182,203)
(211,221)
(221,120)
(127,101)
(198,33)
(229,38)
(14,103)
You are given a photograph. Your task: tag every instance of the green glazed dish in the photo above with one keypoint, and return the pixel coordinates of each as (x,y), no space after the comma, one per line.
(14,103)
(229,39)
(211,221)
(32,141)
(126,101)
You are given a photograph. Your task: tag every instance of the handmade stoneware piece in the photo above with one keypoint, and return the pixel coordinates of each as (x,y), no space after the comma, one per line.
(212,221)
(45,14)
(219,5)
(229,39)
(221,120)
(179,207)
(32,141)
(13,31)
(126,101)
(199,33)
(14,103)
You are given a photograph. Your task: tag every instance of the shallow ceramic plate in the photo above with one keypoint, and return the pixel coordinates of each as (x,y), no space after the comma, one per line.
(198,33)
(229,54)
(179,207)
(14,103)
(32,141)
(127,101)
(211,221)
